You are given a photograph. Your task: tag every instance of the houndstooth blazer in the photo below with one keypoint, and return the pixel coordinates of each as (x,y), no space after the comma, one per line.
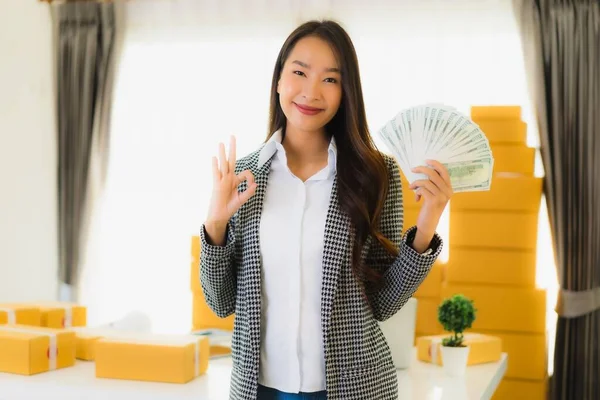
(358,361)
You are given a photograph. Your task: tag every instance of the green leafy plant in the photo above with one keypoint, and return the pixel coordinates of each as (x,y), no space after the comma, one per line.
(456,314)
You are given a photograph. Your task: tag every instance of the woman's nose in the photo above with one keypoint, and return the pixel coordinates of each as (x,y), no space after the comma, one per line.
(310,91)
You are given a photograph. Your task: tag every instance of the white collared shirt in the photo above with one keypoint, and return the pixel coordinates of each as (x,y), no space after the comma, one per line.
(292,232)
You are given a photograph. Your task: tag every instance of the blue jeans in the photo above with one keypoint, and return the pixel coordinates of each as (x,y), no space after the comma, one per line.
(266,393)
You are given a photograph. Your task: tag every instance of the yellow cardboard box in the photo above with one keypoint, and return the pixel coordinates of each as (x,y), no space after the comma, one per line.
(195,247)
(18,314)
(29,350)
(154,358)
(59,315)
(195,284)
(509,192)
(503,308)
(491,267)
(195,265)
(218,350)
(501,112)
(408,196)
(85,347)
(504,131)
(204,318)
(495,230)
(516,389)
(410,218)
(63,315)
(519,159)
(86,338)
(528,354)
(427,321)
(432,285)
(482,348)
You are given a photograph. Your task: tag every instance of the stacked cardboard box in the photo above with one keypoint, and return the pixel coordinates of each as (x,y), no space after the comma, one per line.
(41,337)
(493,238)
(53,314)
(429,293)
(507,134)
(20,314)
(203,318)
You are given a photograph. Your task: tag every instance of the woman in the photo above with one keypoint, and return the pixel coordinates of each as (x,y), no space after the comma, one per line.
(303,237)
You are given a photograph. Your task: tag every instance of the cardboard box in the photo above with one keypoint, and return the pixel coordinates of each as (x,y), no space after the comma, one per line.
(501,112)
(85,348)
(29,350)
(219,350)
(153,358)
(196,247)
(408,196)
(432,285)
(513,389)
(504,131)
(195,284)
(204,318)
(60,315)
(86,338)
(427,322)
(482,348)
(491,267)
(527,354)
(494,230)
(503,308)
(519,159)
(18,314)
(509,192)
(63,315)
(410,218)
(195,265)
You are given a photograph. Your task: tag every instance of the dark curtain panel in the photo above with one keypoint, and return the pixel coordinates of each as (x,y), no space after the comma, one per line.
(84,51)
(561,46)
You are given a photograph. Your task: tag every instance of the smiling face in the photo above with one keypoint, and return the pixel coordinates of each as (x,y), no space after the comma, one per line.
(310,89)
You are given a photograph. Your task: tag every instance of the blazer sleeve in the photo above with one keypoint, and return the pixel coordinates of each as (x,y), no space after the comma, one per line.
(402,275)
(218,272)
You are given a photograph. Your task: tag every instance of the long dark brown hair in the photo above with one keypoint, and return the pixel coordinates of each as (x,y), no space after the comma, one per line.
(362,174)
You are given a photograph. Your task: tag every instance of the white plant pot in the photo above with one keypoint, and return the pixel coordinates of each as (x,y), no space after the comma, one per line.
(454,360)
(399,332)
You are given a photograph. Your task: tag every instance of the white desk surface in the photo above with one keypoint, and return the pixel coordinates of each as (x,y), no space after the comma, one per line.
(422,381)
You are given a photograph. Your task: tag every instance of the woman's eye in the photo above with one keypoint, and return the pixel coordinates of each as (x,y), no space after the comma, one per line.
(299,73)
(331,80)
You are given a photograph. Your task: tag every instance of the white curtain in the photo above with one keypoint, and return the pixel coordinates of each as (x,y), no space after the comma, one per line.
(195,71)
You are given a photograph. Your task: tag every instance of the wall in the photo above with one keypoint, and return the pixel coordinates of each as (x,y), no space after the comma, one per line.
(28,251)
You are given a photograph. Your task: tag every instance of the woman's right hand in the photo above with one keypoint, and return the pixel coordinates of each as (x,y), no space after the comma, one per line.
(226,199)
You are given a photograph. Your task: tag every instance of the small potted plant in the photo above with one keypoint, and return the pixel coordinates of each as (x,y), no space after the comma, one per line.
(456,314)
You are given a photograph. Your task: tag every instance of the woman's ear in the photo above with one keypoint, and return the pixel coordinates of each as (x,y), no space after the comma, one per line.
(278,82)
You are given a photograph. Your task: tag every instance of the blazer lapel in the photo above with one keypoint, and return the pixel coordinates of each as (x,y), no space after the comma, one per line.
(335,254)
(251,235)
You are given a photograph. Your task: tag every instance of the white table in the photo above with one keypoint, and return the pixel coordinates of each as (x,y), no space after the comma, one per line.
(422,381)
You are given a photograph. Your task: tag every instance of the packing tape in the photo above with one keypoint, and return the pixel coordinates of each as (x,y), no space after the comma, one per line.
(12,315)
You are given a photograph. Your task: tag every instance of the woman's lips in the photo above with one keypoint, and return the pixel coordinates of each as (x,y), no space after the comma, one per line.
(307,110)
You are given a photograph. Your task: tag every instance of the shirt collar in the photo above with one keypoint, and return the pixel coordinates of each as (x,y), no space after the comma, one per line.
(274,144)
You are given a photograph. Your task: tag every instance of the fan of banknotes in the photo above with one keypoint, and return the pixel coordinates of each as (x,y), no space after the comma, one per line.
(440,132)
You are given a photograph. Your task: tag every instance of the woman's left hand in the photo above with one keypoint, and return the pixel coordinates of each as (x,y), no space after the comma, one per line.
(435,192)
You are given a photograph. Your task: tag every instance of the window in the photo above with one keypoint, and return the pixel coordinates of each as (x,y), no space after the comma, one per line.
(181,91)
